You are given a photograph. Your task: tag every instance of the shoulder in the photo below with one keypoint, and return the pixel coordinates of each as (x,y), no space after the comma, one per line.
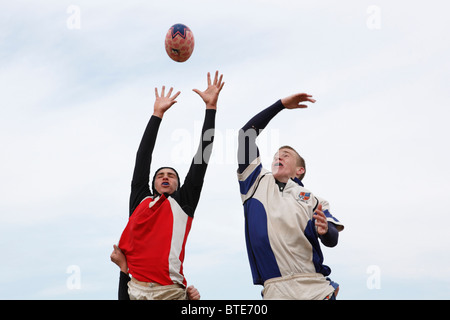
(330,218)
(325,204)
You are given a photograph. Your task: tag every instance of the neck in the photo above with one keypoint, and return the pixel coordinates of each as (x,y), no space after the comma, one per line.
(282,179)
(280,184)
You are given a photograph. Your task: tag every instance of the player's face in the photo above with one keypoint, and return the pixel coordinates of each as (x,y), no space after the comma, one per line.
(284,165)
(166,181)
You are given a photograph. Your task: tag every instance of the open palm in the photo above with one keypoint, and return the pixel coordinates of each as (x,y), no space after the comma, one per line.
(211,94)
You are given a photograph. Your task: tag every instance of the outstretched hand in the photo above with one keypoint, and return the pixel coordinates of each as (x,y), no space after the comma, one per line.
(292,102)
(211,94)
(163,103)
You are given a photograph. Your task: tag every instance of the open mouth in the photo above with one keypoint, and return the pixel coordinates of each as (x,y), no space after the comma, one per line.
(278,164)
(165,184)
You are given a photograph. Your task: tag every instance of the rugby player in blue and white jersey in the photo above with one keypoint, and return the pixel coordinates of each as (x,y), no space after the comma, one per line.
(283,220)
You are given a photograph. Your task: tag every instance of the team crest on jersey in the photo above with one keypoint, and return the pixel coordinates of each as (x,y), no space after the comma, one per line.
(304,196)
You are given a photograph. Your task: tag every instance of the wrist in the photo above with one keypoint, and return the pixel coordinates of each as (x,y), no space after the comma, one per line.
(158,114)
(124,269)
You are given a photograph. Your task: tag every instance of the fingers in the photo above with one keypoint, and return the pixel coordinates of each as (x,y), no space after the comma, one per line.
(176,95)
(293,101)
(193,293)
(215,77)
(116,250)
(113,255)
(321,224)
(301,97)
(308,97)
(319,215)
(321,220)
(319,212)
(217,82)
(168,93)
(220,83)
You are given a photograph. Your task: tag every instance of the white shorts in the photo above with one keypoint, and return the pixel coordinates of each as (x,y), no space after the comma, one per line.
(150,291)
(310,286)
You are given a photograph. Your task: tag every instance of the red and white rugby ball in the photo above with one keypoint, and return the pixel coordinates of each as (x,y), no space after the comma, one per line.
(179,42)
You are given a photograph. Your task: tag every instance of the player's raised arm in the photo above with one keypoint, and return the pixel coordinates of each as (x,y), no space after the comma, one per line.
(140,181)
(192,186)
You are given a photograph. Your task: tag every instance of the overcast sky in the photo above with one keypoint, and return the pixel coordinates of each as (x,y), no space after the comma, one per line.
(77,83)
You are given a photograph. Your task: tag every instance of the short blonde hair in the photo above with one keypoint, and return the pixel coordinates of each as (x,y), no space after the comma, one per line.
(300,160)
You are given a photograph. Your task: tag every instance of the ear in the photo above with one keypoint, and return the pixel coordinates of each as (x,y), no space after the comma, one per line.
(299,171)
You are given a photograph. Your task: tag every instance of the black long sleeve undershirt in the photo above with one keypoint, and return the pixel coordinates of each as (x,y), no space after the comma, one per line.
(141,175)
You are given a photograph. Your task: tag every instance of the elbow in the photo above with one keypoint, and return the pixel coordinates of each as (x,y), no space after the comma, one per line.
(330,243)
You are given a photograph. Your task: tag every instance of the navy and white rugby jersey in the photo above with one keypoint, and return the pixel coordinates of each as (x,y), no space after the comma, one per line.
(279,225)
(280,229)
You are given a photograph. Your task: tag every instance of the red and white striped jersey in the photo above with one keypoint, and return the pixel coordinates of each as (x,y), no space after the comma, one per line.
(154,241)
